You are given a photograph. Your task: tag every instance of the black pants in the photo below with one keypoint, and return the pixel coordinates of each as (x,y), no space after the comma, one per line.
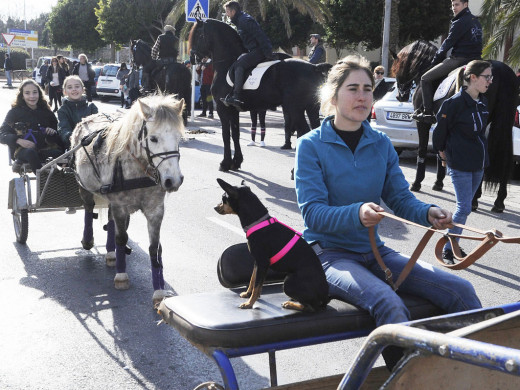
(246,61)
(34,157)
(88,90)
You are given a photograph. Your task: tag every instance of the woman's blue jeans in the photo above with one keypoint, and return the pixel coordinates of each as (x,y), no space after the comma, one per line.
(465,185)
(358,279)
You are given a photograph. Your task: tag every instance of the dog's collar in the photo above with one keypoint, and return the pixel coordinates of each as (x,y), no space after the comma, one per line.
(258,221)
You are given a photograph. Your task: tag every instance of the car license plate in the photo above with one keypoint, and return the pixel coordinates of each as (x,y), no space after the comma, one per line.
(399,116)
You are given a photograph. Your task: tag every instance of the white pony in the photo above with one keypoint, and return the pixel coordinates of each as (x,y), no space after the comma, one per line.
(132,160)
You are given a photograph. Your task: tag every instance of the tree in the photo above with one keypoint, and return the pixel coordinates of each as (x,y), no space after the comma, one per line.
(73,22)
(500,20)
(315,9)
(122,20)
(361,22)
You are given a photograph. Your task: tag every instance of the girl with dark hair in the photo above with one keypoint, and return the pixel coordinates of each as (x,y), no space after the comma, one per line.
(29,129)
(56,75)
(460,139)
(122,76)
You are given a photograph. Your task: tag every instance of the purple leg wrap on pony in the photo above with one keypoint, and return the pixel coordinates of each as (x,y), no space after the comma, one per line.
(88,232)
(120,259)
(111,236)
(157,274)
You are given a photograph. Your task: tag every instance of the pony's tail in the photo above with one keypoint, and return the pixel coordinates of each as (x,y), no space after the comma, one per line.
(500,139)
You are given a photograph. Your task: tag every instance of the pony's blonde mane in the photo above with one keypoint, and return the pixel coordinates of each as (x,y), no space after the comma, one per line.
(123,133)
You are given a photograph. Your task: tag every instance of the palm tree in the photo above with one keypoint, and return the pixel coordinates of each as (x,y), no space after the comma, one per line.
(500,19)
(258,8)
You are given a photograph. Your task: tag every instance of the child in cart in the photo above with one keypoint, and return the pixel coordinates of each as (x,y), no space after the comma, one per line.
(74,108)
(29,128)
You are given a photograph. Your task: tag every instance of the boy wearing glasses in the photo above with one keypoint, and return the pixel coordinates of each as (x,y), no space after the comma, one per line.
(465,40)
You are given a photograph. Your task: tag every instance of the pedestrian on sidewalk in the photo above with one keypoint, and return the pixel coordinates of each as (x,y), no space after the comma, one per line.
(8,68)
(56,76)
(205,72)
(257,114)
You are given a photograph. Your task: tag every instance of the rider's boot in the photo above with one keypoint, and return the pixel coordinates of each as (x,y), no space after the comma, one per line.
(235,100)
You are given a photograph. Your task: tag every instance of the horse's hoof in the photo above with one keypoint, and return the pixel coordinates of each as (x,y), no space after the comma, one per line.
(110,259)
(224,167)
(498,208)
(121,281)
(236,164)
(87,245)
(415,187)
(159,295)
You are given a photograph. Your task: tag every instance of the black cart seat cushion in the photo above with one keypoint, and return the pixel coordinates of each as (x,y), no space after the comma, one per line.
(214,320)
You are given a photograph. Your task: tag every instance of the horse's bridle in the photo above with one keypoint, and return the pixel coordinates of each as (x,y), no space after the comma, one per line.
(154,171)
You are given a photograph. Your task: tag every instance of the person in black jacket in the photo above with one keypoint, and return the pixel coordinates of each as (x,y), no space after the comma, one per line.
(256,43)
(29,128)
(55,76)
(460,139)
(317,54)
(8,69)
(465,40)
(85,72)
(164,52)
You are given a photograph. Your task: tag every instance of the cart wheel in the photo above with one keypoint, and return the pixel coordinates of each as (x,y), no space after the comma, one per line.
(209,386)
(20,222)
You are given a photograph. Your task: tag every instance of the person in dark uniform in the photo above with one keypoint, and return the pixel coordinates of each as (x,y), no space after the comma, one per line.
(465,40)
(164,52)
(255,41)
(317,54)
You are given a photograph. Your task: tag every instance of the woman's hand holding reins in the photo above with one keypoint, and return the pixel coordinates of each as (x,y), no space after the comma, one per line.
(369,214)
(439,218)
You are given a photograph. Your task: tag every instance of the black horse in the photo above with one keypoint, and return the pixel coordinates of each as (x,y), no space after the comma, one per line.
(411,63)
(175,79)
(291,83)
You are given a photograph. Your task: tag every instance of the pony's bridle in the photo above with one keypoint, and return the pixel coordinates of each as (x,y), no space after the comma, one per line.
(153,170)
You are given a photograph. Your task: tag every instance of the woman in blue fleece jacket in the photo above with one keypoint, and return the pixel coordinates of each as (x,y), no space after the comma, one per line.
(343,170)
(460,138)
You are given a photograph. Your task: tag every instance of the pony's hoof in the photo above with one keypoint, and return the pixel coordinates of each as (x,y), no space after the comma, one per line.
(159,295)
(110,259)
(121,281)
(87,245)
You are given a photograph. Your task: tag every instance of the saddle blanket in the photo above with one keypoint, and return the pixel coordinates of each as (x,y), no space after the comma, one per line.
(253,81)
(445,86)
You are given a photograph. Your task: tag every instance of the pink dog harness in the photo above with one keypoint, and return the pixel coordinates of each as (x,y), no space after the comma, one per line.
(286,248)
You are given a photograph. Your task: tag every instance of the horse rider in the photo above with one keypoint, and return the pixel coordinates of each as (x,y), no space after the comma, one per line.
(164,52)
(255,41)
(317,53)
(465,40)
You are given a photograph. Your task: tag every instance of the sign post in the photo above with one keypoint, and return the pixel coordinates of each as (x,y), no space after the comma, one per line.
(195,10)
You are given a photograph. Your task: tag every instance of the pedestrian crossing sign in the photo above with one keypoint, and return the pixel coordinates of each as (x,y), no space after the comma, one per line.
(197,9)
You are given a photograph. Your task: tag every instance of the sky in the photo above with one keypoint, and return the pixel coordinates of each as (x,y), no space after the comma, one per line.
(33,8)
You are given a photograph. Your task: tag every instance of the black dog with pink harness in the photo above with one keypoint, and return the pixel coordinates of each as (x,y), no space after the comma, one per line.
(276,245)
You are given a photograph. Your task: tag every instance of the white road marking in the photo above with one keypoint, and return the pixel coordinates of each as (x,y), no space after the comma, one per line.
(228,226)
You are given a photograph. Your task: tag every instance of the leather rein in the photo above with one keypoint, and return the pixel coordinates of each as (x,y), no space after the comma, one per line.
(488,239)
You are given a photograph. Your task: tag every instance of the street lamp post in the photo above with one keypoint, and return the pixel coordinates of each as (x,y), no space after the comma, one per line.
(386,35)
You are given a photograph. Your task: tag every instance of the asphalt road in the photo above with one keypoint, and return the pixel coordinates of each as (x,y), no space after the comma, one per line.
(64,326)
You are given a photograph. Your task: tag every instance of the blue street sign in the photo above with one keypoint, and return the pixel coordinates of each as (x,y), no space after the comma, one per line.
(197,9)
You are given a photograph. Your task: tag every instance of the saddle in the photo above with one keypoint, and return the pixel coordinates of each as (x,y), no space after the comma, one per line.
(254,75)
(444,87)
(488,239)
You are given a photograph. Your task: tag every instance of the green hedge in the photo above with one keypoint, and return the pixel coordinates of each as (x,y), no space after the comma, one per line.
(18,57)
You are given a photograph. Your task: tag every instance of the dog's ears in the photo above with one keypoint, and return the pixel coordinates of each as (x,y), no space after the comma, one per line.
(230,190)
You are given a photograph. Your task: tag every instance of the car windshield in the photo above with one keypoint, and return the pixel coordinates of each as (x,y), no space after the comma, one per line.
(109,70)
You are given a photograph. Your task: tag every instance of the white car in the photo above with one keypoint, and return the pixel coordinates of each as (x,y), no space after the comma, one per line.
(107,83)
(395,119)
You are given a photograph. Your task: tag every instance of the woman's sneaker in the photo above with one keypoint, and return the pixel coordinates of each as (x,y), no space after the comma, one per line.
(447,256)
(252,143)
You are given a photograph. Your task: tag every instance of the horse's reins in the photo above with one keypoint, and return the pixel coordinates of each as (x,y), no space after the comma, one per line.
(488,240)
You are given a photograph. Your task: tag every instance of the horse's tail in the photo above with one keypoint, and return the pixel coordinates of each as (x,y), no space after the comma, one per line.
(502,115)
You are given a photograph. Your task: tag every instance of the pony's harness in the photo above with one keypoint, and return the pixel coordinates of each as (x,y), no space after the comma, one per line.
(490,239)
(286,248)
(119,183)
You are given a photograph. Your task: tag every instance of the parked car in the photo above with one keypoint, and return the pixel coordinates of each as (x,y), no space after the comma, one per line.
(97,70)
(107,85)
(395,119)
